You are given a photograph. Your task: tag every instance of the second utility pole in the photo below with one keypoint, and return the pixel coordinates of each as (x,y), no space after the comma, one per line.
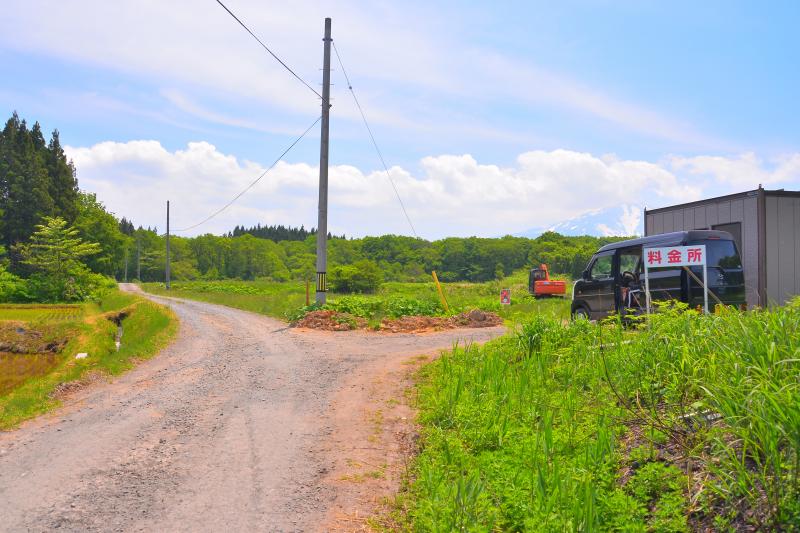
(166,266)
(138,256)
(322,221)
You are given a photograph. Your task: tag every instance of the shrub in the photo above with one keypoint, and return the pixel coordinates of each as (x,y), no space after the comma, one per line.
(12,288)
(361,277)
(56,255)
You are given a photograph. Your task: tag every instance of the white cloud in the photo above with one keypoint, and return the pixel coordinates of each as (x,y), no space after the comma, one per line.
(743,172)
(451,195)
(196,47)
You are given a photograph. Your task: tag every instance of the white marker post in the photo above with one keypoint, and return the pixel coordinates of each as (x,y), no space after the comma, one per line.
(675,257)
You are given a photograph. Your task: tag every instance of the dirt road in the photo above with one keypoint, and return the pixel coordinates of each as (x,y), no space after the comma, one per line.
(236,426)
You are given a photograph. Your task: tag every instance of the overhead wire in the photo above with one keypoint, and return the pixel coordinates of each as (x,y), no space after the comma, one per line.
(223,208)
(374,142)
(279,60)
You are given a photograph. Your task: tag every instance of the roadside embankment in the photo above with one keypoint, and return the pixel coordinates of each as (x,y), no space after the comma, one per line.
(49,351)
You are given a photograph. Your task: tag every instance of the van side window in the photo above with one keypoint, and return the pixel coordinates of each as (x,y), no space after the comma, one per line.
(629,260)
(601,269)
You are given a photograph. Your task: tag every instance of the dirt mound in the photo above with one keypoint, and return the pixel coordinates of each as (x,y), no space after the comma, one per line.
(328,320)
(16,337)
(334,321)
(414,324)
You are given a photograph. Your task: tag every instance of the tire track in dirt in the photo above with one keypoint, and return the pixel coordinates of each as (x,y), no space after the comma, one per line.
(241,424)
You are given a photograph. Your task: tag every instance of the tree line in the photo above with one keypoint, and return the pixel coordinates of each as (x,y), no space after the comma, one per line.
(42,208)
(399,258)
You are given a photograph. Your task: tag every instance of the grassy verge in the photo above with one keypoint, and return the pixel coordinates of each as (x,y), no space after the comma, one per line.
(285,300)
(275,299)
(85,328)
(690,424)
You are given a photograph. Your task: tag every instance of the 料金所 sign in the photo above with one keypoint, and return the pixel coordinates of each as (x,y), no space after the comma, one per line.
(675,256)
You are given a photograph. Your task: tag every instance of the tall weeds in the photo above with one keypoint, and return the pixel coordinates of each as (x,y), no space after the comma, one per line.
(687,423)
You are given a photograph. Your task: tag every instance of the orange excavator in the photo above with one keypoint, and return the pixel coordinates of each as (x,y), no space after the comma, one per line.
(540,284)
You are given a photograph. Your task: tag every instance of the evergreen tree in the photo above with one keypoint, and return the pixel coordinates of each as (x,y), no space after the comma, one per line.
(38,138)
(63,184)
(126,227)
(24,182)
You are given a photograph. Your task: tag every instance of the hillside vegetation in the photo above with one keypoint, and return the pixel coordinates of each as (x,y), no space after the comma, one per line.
(391,257)
(690,423)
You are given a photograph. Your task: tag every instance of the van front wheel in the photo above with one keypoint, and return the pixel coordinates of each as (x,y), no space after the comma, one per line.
(580,314)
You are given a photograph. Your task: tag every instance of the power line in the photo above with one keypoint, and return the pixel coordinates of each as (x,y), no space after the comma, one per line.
(223,208)
(268,50)
(374,143)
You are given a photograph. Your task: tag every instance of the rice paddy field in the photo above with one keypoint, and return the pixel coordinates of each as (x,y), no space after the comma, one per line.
(38,344)
(38,312)
(688,423)
(286,300)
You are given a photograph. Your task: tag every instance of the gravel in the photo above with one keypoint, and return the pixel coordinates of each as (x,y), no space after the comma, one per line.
(221,431)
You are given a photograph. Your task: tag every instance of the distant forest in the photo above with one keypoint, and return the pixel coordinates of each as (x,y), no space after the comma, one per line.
(37,181)
(278,233)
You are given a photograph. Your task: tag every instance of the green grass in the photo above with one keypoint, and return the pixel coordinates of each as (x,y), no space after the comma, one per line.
(147,328)
(284,299)
(270,298)
(690,424)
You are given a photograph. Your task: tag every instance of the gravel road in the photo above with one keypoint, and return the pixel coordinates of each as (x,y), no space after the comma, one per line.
(221,431)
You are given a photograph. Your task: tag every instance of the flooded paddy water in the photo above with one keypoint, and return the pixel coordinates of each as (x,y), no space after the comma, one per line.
(31,339)
(15,368)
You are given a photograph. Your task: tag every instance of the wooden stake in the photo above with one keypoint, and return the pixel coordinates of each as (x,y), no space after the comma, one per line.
(441,294)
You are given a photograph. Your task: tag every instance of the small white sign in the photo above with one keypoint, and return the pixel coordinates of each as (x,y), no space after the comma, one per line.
(675,256)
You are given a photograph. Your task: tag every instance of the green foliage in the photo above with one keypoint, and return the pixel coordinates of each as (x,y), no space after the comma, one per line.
(94,224)
(36,182)
(12,288)
(55,255)
(24,181)
(589,426)
(354,261)
(363,276)
(383,306)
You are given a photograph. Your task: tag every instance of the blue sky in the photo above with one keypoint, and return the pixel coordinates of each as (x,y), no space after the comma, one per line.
(494,118)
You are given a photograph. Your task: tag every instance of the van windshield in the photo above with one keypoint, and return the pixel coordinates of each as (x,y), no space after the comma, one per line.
(722,254)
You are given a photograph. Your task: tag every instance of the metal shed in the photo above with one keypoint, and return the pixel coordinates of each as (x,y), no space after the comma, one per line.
(766,227)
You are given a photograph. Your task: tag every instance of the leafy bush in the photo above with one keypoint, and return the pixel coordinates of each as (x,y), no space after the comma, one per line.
(296,314)
(12,288)
(363,276)
(55,255)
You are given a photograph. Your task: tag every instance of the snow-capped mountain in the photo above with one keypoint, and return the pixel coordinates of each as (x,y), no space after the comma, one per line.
(625,220)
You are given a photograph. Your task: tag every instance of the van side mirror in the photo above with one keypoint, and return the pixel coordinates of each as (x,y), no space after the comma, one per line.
(585,275)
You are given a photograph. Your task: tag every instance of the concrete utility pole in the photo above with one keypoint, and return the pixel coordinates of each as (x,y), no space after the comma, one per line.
(138,258)
(126,263)
(166,274)
(322,222)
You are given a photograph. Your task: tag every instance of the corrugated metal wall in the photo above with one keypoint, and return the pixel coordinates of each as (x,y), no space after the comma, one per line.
(783,247)
(708,214)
